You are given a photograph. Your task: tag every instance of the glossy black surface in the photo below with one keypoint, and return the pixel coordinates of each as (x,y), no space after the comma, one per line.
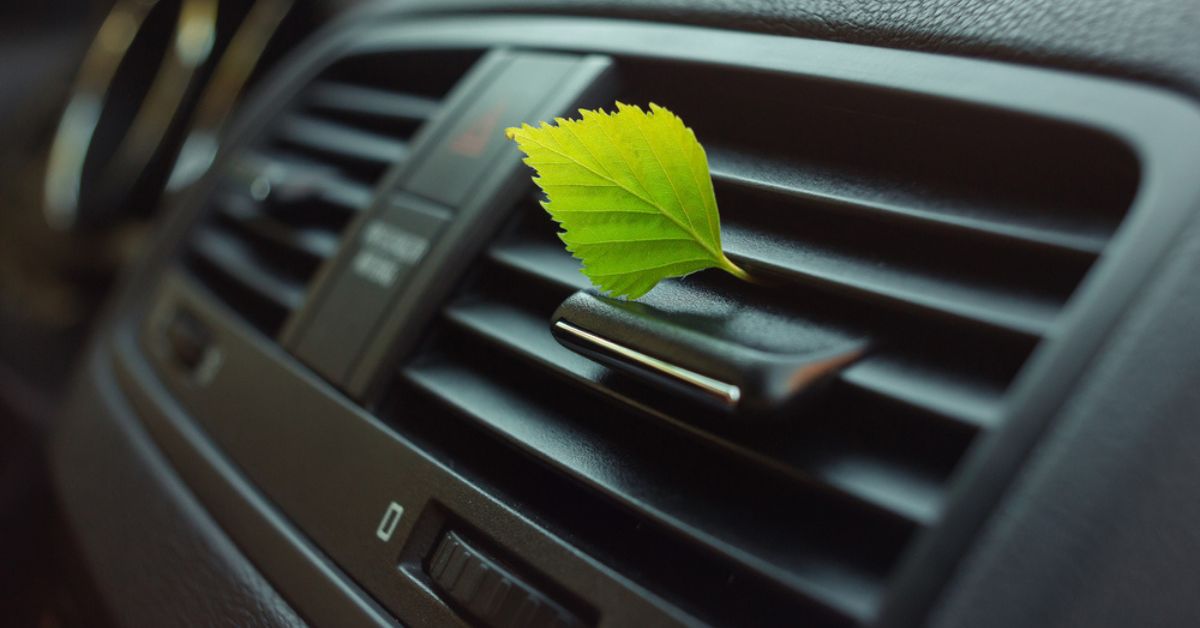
(674,347)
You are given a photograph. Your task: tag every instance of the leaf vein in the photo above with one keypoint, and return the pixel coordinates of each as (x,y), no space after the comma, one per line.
(625,240)
(655,267)
(679,198)
(585,167)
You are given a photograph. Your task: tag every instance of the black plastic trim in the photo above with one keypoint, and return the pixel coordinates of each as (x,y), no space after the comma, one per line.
(335,470)
(152,548)
(314,585)
(1151,122)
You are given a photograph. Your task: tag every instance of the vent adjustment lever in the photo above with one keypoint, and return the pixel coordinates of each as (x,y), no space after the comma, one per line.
(668,348)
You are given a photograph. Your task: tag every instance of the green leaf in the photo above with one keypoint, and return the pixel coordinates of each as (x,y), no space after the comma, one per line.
(632,193)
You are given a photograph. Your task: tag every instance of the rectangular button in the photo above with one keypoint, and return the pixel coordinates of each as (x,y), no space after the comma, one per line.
(384,252)
(473,140)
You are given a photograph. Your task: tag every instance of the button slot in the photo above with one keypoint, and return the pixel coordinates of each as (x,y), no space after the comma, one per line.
(188,339)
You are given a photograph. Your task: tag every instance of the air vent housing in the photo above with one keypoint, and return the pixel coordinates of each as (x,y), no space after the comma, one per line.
(279,209)
(966,219)
(951,236)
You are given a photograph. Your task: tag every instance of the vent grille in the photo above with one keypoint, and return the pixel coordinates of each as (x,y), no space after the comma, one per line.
(951,237)
(280,209)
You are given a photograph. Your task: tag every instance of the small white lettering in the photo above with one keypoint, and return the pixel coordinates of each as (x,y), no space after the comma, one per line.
(376,269)
(395,242)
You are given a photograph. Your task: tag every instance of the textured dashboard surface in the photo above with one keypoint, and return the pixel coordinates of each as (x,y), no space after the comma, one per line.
(1101,527)
(1152,40)
(155,554)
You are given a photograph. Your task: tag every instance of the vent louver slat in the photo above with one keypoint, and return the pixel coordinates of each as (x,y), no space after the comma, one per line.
(979,407)
(240,263)
(954,400)
(951,240)
(519,332)
(280,209)
(1051,236)
(868,279)
(361,151)
(356,101)
(313,244)
(787,545)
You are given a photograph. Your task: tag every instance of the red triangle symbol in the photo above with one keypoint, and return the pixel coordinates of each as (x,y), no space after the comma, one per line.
(472,141)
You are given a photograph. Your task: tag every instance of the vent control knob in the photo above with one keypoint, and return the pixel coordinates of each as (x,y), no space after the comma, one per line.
(490,594)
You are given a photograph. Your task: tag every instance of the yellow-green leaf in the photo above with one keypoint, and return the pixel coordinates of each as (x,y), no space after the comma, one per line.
(632,193)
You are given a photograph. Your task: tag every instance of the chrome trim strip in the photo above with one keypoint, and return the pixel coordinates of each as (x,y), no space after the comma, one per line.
(727,393)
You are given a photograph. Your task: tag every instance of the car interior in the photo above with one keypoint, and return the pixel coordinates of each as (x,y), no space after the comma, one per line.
(292,334)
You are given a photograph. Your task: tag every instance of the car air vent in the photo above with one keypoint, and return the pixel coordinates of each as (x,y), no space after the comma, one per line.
(949,236)
(282,204)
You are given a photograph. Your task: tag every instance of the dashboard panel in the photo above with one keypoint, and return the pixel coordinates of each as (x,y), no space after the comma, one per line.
(340,339)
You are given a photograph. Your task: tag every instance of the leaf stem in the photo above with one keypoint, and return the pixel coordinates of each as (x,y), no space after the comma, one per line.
(733,269)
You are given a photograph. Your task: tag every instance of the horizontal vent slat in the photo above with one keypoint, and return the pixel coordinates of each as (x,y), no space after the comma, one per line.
(1015,233)
(316,244)
(973,406)
(694,497)
(876,483)
(340,140)
(345,194)
(976,404)
(946,239)
(279,209)
(296,178)
(238,263)
(547,262)
(368,101)
(965,303)
(543,262)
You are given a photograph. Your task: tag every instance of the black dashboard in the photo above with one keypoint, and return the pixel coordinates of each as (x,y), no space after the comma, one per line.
(329,388)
